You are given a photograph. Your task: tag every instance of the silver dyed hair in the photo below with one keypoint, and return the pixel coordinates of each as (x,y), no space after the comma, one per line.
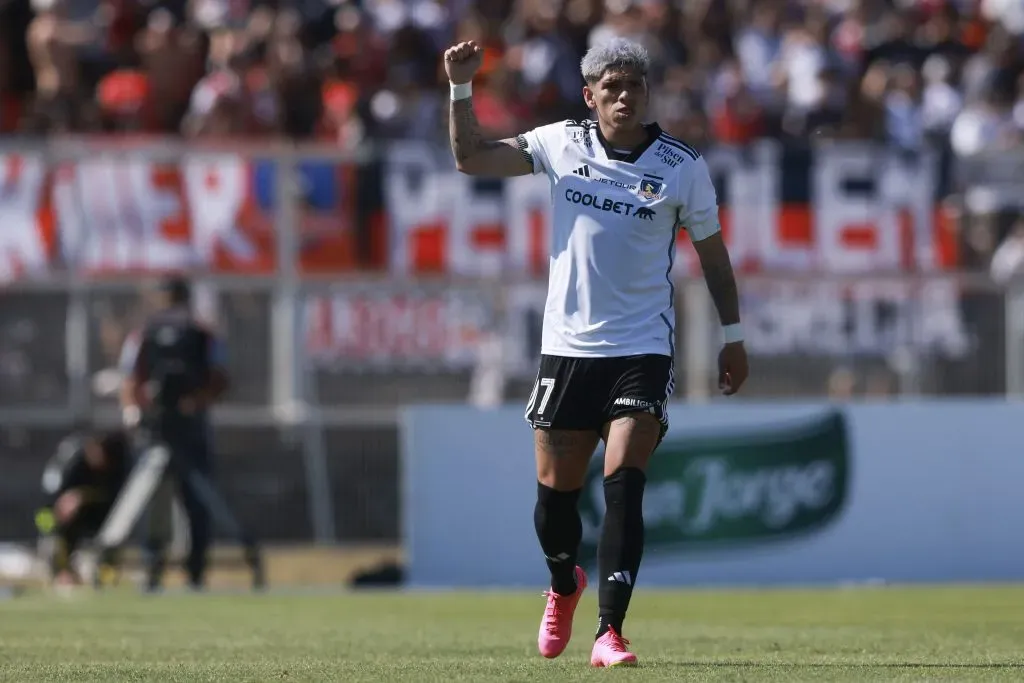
(617,53)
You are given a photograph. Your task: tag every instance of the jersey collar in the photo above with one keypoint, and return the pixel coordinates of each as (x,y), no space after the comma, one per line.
(653,131)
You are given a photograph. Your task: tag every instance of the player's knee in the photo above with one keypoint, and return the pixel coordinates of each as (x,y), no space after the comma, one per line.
(550,498)
(624,487)
(561,481)
(631,439)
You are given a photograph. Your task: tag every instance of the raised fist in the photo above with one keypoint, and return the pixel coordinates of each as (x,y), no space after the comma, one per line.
(462,61)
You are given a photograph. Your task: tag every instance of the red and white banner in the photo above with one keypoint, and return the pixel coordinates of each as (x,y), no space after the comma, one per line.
(27,238)
(855,209)
(123,215)
(862,208)
(865,210)
(443,221)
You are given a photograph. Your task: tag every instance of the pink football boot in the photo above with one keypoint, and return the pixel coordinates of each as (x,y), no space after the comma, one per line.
(610,650)
(556,626)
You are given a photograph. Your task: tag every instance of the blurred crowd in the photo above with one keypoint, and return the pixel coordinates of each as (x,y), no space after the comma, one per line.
(905,71)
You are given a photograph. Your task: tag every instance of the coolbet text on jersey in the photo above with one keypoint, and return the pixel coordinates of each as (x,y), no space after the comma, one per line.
(613,238)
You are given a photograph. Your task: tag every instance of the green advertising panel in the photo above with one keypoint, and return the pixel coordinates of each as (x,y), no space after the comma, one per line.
(734,488)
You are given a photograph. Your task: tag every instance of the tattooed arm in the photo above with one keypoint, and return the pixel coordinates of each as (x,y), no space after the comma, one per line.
(474,155)
(714,260)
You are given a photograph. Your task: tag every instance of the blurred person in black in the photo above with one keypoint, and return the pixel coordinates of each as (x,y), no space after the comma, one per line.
(174,372)
(80,483)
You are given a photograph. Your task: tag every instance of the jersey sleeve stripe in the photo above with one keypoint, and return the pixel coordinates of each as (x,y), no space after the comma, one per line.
(681,146)
(671,138)
(524,149)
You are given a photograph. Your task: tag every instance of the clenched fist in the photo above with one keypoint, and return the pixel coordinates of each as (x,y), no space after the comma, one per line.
(732,368)
(462,61)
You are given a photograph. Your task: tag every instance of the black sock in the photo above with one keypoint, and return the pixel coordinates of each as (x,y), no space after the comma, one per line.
(559,529)
(621,546)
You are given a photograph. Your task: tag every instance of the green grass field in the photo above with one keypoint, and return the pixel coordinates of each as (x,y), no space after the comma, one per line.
(862,634)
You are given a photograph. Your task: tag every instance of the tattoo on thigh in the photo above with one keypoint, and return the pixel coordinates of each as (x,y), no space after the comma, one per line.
(639,425)
(559,444)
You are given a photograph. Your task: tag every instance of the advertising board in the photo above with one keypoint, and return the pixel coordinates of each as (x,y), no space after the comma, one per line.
(739,493)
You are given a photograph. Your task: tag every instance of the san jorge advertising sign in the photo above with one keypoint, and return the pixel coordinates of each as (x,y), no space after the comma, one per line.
(734,489)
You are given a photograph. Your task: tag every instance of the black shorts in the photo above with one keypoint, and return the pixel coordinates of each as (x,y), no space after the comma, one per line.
(587,393)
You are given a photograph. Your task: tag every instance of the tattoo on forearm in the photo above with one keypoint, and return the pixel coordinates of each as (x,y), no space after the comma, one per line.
(559,444)
(721,283)
(464,130)
(467,139)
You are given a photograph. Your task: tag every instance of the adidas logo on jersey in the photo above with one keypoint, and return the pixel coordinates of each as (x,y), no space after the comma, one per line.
(583,170)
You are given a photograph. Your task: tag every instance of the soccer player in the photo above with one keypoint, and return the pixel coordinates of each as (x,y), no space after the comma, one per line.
(621,188)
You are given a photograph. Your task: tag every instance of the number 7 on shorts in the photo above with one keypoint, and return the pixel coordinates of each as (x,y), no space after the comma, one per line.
(548,386)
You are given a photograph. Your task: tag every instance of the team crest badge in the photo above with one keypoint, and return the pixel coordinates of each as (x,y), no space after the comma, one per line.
(650,189)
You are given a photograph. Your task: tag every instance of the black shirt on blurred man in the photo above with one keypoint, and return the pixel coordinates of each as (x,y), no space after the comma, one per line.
(174,370)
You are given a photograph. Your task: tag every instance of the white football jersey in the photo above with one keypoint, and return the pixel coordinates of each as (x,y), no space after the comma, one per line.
(613,237)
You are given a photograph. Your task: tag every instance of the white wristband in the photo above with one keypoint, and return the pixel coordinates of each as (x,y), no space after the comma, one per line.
(733,333)
(461,91)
